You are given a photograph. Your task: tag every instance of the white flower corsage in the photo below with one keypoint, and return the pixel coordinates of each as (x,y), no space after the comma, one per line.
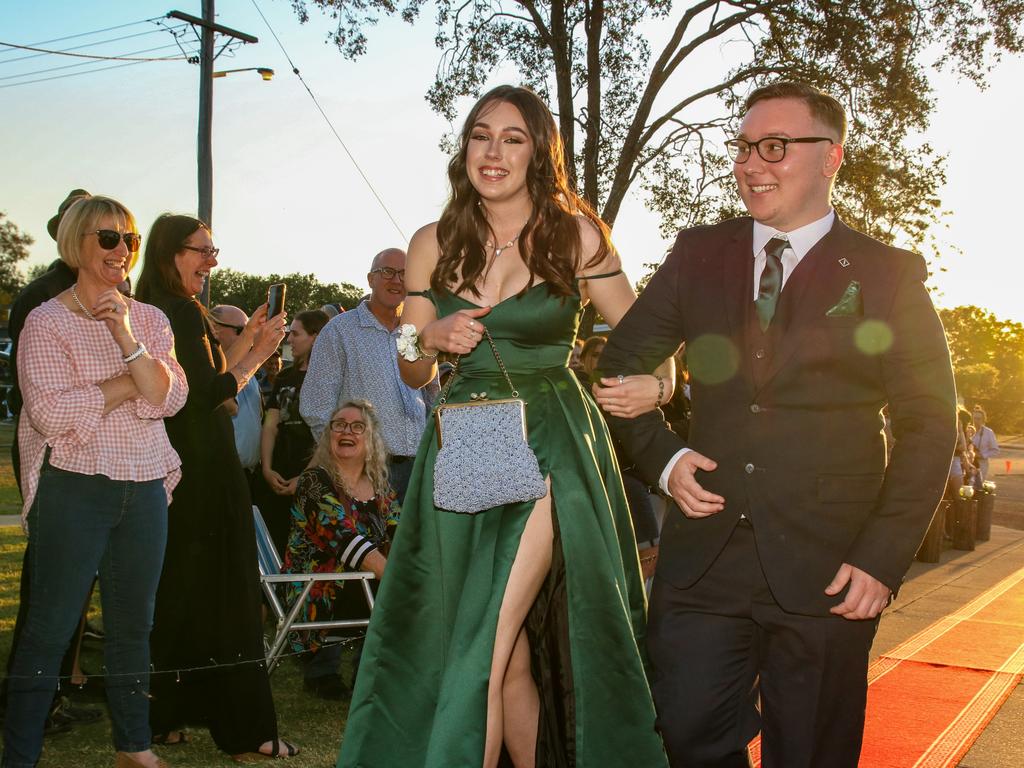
(408,343)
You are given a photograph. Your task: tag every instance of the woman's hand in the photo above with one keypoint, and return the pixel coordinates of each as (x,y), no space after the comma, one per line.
(630,397)
(269,332)
(277,483)
(458,333)
(111,308)
(648,561)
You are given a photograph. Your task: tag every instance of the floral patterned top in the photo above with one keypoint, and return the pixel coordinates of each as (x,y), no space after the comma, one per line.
(332,533)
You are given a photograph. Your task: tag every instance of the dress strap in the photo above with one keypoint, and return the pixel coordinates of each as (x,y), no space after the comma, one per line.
(601,277)
(423,294)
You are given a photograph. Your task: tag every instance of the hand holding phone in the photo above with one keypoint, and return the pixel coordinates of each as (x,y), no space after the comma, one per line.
(275,299)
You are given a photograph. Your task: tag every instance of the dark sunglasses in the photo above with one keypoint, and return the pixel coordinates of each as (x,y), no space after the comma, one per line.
(236,328)
(109,239)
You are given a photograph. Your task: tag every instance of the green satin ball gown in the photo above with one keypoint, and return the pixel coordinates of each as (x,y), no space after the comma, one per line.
(421,695)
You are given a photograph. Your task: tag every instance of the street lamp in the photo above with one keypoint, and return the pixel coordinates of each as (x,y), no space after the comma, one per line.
(265,72)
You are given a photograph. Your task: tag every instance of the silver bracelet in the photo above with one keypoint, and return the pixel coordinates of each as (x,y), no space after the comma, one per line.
(139,352)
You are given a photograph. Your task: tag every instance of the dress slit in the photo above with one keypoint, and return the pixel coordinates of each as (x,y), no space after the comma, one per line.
(547,629)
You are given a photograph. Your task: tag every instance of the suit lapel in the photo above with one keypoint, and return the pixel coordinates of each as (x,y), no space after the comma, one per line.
(737,278)
(815,285)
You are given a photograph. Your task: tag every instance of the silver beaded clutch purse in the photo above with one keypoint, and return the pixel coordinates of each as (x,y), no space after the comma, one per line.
(483,458)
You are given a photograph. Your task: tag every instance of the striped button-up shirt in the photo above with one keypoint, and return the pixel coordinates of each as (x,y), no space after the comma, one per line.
(62,358)
(356,358)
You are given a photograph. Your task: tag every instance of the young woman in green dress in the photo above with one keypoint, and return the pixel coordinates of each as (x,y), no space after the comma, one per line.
(511,636)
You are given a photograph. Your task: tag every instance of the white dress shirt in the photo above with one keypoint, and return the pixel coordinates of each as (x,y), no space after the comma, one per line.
(801,240)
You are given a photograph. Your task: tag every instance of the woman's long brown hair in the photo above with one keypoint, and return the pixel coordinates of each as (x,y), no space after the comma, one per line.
(550,243)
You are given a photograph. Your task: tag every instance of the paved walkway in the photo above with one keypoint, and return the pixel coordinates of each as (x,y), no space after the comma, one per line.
(934,590)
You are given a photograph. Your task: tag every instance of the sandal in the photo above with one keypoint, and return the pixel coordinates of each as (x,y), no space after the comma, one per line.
(279,748)
(170,739)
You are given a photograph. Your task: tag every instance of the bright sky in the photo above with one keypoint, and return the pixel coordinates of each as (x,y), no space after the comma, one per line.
(286,196)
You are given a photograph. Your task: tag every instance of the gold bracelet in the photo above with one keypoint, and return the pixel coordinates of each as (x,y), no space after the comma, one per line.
(648,559)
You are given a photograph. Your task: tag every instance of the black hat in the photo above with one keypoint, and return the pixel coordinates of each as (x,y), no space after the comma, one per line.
(52,224)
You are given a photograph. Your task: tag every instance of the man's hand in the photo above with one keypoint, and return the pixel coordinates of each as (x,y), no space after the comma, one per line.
(867,595)
(687,492)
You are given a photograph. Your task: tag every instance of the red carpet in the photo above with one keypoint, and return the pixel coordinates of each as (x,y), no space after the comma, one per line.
(930,697)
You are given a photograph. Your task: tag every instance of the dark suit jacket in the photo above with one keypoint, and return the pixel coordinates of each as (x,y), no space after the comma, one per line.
(802,453)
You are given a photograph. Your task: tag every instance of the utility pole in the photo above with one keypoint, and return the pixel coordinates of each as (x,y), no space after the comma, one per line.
(204,148)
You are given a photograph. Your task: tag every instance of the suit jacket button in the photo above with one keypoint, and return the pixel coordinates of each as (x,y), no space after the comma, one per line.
(749,469)
(755,408)
(759,354)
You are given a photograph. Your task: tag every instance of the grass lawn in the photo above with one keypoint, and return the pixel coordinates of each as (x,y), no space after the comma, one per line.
(312,723)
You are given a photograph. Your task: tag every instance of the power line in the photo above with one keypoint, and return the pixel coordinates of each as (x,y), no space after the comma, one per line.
(89,63)
(90,45)
(330,124)
(86,55)
(97,32)
(79,74)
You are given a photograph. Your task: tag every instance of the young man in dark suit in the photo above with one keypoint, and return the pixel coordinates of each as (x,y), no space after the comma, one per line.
(792,532)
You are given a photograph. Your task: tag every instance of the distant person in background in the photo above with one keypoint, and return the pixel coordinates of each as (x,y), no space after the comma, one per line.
(208,608)
(332,309)
(229,327)
(343,519)
(99,375)
(985,444)
(286,444)
(354,359)
(267,374)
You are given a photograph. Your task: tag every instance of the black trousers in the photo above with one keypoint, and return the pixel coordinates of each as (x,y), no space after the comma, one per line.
(728,661)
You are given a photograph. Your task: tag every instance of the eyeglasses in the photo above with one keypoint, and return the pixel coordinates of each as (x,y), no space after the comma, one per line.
(341,426)
(772,149)
(236,328)
(109,239)
(389,273)
(209,253)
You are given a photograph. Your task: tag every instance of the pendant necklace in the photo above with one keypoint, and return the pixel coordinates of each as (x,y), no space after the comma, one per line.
(499,251)
(505,247)
(81,306)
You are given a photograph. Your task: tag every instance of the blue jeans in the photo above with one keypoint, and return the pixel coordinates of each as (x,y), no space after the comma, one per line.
(79,524)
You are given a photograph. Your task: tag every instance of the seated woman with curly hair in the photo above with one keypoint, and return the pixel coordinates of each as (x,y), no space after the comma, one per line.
(343,519)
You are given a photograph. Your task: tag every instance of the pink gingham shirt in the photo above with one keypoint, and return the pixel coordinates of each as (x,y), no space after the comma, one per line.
(62,358)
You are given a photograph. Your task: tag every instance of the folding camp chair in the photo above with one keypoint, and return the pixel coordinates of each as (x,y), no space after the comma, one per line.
(286,614)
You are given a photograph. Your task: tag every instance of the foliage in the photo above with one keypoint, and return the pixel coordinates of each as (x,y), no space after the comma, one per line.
(13,250)
(229,286)
(646,90)
(988,360)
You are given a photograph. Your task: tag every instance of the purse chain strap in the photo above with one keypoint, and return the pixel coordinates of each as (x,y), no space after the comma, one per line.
(501,364)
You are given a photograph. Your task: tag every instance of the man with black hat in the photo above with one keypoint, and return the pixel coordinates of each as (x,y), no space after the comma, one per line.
(57,279)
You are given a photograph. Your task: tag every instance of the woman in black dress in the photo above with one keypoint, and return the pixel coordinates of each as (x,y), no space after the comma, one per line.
(207,640)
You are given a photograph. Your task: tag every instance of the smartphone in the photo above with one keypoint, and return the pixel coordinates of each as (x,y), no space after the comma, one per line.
(275,299)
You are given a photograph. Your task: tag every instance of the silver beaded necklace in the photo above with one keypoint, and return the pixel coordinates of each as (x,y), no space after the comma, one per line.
(78,301)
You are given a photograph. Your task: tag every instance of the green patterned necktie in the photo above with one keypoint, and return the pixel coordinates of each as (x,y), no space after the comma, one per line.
(771,282)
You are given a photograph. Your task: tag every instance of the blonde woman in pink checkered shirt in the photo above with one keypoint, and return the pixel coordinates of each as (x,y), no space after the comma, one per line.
(98,376)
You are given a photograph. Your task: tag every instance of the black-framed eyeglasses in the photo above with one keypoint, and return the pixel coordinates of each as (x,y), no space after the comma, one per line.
(772,149)
(209,253)
(236,328)
(109,239)
(341,426)
(389,273)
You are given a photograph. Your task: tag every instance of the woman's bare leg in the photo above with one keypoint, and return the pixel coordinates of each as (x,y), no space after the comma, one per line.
(531,566)
(521,705)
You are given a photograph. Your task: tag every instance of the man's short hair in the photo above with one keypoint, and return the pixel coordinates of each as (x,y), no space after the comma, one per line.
(824,108)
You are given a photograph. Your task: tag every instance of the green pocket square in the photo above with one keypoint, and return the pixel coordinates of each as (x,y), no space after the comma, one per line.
(850,304)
